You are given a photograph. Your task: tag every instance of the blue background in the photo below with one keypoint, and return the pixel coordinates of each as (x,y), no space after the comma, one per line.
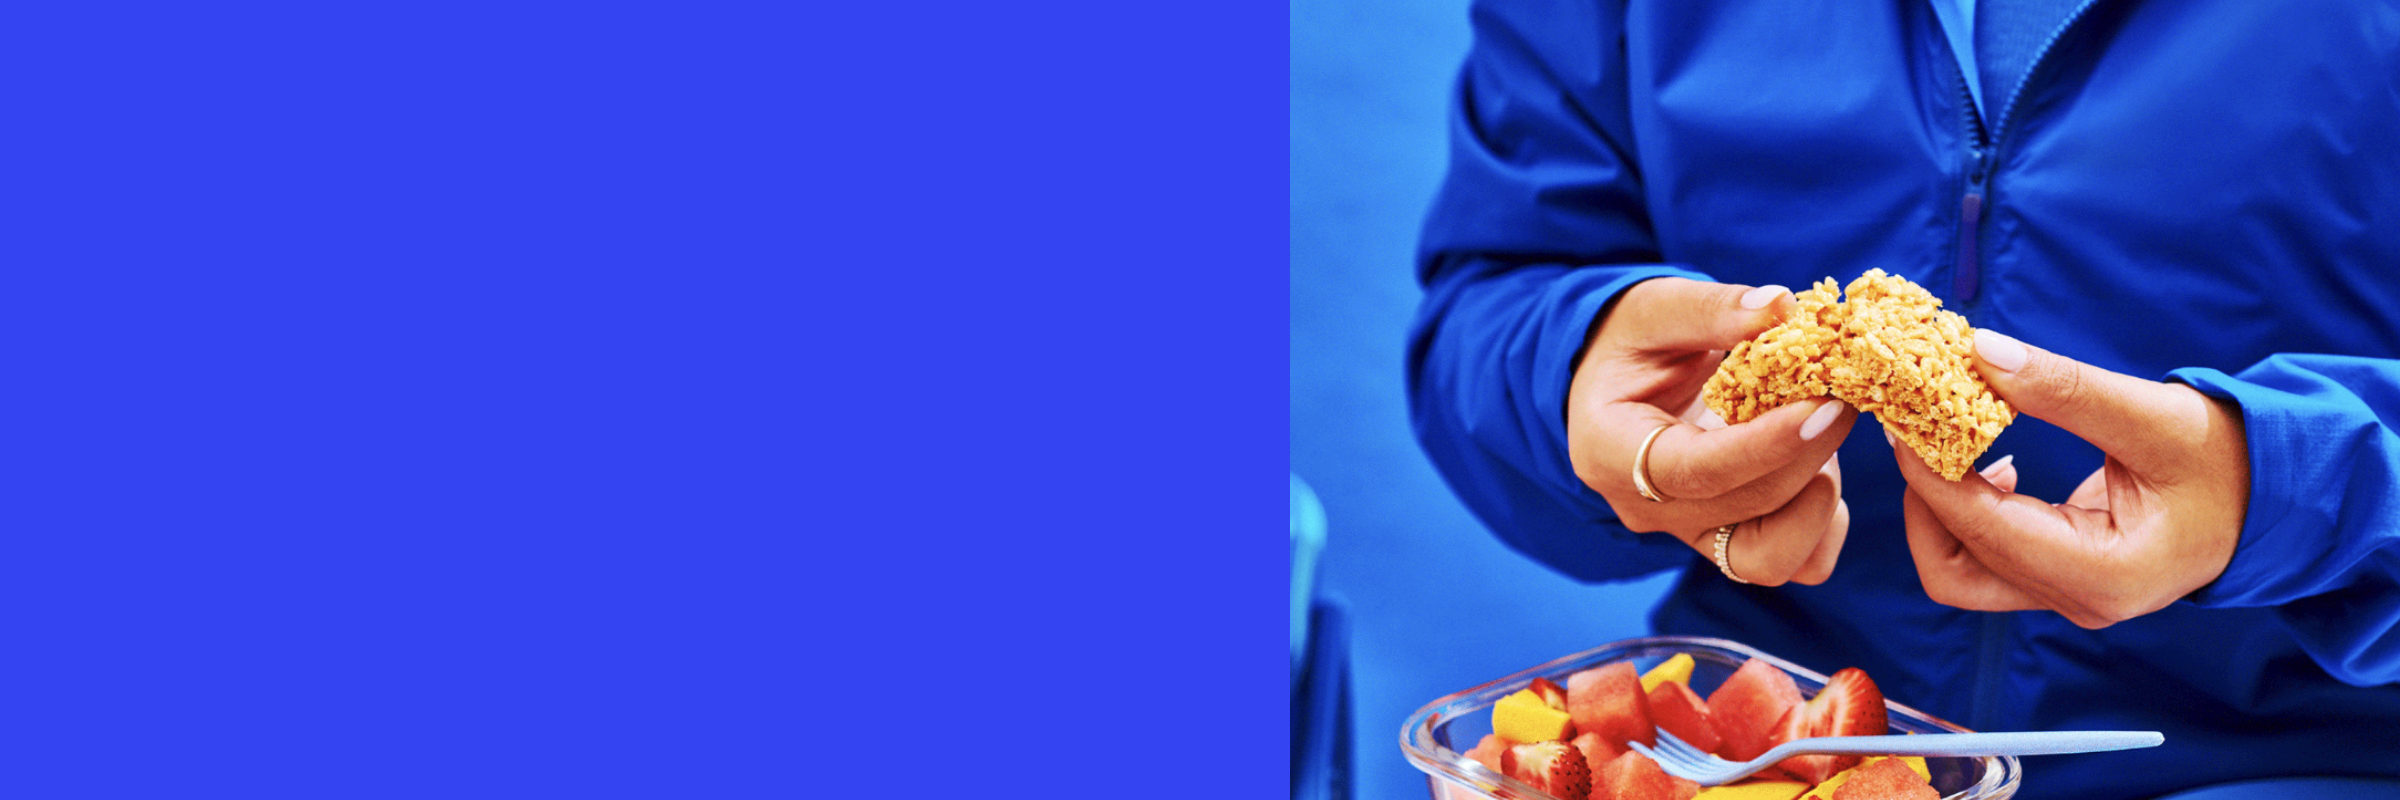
(1438,605)
(732,400)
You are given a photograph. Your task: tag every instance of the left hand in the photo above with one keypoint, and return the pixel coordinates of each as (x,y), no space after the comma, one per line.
(2157,521)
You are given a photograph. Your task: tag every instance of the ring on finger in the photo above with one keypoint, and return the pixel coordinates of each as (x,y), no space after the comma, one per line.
(1724,564)
(1641,467)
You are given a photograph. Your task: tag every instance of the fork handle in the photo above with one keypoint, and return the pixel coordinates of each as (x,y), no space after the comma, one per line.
(2012,743)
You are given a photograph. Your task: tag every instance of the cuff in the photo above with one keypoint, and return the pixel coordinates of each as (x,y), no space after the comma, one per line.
(2302,449)
(1575,305)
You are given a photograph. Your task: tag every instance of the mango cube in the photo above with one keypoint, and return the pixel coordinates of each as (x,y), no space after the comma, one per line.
(1677,669)
(1754,790)
(1523,717)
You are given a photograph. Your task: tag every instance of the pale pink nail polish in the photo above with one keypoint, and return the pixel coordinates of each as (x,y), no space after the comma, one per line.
(1821,419)
(2000,351)
(1758,298)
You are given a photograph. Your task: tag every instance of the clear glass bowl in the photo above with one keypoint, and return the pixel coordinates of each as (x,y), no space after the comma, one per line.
(1436,738)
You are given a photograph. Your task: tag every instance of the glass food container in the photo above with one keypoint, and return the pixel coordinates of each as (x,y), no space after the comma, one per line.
(1437,736)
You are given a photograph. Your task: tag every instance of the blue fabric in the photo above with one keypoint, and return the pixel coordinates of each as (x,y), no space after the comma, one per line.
(2008,34)
(2135,219)
(1957,21)
(2297,789)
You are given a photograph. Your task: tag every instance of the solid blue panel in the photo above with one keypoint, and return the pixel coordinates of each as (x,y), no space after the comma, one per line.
(598,401)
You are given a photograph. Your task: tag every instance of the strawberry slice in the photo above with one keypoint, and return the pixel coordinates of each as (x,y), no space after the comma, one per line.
(1849,705)
(1551,693)
(1553,766)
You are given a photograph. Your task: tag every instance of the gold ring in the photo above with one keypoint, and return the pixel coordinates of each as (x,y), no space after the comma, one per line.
(1724,536)
(1641,467)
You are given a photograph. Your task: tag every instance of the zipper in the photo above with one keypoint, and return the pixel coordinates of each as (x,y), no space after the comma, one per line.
(1984,137)
(1991,662)
(1966,271)
(2043,52)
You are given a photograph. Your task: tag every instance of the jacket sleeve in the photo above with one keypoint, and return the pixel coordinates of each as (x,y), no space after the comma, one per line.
(1539,224)
(2321,537)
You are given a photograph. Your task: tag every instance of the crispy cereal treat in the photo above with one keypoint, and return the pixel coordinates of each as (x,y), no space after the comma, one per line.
(1788,362)
(1890,350)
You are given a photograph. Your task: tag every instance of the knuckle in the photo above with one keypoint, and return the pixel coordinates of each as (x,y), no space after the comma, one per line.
(1770,561)
(1786,566)
(1766,575)
(2070,387)
(1726,298)
(1751,502)
(1683,479)
(1971,528)
(1937,586)
(2118,609)
(2100,610)
(1772,578)
(1640,520)
(1944,579)
(1675,477)
(1588,472)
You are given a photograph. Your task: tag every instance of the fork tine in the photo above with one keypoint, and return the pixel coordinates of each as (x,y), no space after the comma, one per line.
(1673,766)
(1683,760)
(1673,755)
(1666,762)
(1668,742)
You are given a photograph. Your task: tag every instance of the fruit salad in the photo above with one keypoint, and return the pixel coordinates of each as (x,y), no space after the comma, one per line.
(1564,731)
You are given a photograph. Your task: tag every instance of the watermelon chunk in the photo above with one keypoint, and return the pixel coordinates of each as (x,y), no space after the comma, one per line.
(1633,776)
(1487,752)
(1597,752)
(1609,701)
(1676,708)
(1747,707)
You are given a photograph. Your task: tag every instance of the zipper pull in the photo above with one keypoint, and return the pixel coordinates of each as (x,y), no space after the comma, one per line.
(1966,274)
(1964,279)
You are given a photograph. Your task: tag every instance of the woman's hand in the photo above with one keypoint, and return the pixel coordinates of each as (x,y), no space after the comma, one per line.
(2157,521)
(1775,477)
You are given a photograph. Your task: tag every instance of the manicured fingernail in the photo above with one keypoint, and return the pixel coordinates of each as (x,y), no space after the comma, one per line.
(1999,466)
(1758,298)
(1821,419)
(2003,353)
(1889,439)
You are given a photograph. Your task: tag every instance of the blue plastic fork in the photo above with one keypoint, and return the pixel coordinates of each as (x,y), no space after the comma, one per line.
(1682,760)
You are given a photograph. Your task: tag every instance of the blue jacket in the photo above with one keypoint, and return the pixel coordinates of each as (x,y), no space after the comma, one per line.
(2204,190)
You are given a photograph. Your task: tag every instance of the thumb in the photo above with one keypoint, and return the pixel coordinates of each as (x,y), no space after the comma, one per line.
(1680,314)
(2122,415)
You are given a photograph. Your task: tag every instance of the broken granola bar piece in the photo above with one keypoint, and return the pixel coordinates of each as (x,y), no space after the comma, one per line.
(1888,349)
(1784,364)
(1910,363)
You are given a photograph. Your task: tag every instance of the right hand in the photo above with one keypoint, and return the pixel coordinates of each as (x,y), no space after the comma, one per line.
(1775,477)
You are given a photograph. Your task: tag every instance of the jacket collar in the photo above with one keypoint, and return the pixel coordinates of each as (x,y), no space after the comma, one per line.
(1958,24)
